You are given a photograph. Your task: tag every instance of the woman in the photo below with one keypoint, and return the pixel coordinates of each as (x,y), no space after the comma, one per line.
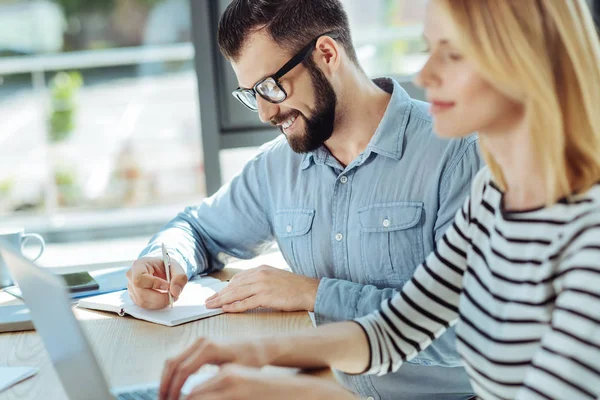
(519,270)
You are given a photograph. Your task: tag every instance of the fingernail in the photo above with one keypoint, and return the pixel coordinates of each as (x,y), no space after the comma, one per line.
(176,290)
(164,286)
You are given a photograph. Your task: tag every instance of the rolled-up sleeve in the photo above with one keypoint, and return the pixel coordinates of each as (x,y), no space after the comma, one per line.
(233,222)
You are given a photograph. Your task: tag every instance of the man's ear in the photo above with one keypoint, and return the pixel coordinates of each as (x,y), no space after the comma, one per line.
(328,54)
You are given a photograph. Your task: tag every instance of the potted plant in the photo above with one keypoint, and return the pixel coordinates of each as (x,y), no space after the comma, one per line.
(68,189)
(64,87)
(63,90)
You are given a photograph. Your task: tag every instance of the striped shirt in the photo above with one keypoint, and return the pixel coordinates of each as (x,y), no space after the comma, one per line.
(523,289)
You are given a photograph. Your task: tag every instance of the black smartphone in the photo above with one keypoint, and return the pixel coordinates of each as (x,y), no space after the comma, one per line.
(80,282)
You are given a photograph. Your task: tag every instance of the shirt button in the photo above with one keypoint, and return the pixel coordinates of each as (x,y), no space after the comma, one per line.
(288,229)
(370,398)
(339,237)
(386,222)
(344,179)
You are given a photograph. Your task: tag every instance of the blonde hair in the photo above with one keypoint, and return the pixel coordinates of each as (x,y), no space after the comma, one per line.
(544,54)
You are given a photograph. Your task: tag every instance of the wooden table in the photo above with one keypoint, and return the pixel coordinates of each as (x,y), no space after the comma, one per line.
(131,351)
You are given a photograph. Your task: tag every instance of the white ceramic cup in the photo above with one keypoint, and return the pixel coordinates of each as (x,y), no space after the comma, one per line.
(16,239)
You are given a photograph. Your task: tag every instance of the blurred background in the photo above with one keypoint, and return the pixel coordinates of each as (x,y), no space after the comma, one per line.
(115,114)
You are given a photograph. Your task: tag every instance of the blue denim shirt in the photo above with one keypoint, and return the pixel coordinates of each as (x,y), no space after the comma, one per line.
(362,229)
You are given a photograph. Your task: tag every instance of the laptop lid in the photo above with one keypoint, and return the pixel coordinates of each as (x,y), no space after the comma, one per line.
(46,296)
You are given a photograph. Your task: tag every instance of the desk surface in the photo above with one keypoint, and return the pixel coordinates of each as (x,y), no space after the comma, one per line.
(131,351)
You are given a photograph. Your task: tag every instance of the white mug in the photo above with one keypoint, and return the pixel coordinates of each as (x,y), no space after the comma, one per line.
(16,239)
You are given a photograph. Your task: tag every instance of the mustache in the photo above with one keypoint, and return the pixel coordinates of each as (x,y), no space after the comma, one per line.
(278,119)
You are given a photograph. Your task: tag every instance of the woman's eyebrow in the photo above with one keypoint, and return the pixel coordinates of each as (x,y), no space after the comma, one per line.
(442,41)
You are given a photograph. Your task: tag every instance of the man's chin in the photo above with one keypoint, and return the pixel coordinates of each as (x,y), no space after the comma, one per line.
(296,144)
(300,145)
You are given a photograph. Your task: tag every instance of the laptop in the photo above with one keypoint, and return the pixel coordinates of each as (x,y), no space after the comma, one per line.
(71,354)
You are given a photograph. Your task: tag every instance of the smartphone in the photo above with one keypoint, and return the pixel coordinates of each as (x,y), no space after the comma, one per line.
(80,282)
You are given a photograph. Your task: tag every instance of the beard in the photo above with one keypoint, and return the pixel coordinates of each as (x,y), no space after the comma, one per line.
(319,127)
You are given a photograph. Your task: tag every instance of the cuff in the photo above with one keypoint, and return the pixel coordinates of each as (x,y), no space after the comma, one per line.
(175,255)
(336,300)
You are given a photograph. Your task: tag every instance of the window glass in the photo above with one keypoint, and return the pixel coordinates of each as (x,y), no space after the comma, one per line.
(388,35)
(98,106)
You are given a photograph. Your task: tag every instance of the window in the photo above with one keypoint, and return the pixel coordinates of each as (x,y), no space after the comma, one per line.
(98,112)
(387,35)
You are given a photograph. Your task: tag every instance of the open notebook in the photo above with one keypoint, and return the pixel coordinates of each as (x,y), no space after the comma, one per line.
(189,307)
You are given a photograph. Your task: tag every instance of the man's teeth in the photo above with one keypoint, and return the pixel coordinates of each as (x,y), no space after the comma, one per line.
(288,123)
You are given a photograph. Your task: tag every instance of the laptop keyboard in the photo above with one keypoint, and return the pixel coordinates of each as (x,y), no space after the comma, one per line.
(143,394)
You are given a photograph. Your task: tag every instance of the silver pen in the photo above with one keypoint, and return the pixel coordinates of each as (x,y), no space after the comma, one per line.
(167,262)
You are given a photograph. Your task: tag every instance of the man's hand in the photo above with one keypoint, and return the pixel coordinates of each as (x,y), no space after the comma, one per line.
(205,351)
(147,284)
(240,383)
(268,287)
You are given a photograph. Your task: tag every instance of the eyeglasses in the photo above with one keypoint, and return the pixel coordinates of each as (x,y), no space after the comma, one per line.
(270,88)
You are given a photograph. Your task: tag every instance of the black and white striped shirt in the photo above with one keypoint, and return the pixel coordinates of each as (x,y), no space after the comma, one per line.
(523,289)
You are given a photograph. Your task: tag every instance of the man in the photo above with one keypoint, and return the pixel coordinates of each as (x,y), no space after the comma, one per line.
(356,192)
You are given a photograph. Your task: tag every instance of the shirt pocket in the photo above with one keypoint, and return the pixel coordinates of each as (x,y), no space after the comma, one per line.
(391,237)
(293,230)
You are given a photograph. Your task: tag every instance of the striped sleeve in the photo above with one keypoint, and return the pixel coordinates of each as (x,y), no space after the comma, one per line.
(567,364)
(426,306)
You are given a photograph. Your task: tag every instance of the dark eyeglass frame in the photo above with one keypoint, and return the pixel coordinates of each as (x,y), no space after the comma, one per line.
(240,92)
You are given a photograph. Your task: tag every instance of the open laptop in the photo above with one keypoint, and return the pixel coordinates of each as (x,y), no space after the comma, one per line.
(49,304)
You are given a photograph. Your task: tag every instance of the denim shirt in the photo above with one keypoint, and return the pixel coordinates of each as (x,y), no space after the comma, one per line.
(362,229)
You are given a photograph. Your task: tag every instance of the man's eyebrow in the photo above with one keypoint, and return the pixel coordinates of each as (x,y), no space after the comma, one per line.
(264,77)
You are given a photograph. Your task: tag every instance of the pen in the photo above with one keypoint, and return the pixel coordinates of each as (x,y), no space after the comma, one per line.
(167,262)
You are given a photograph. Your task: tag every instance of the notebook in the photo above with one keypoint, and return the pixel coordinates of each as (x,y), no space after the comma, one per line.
(189,307)
(15,318)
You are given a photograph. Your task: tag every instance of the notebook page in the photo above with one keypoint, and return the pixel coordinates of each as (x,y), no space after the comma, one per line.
(189,307)
(206,280)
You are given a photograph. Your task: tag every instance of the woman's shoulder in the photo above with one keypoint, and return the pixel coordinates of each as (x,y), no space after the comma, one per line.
(481,182)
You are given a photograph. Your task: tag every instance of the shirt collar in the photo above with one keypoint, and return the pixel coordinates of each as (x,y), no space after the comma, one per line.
(388,139)
(318,156)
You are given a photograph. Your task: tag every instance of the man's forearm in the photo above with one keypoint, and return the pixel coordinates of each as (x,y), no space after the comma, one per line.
(343,346)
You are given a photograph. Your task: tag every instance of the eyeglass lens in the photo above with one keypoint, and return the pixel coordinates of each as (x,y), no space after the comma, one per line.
(269,89)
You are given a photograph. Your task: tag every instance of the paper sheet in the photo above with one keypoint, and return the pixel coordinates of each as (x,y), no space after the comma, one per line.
(12,375)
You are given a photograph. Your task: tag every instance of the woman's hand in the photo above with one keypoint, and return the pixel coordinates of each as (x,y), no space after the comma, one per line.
(240,383)
(206,351)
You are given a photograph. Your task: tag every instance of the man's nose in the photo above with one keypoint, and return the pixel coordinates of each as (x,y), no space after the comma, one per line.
(266,110)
